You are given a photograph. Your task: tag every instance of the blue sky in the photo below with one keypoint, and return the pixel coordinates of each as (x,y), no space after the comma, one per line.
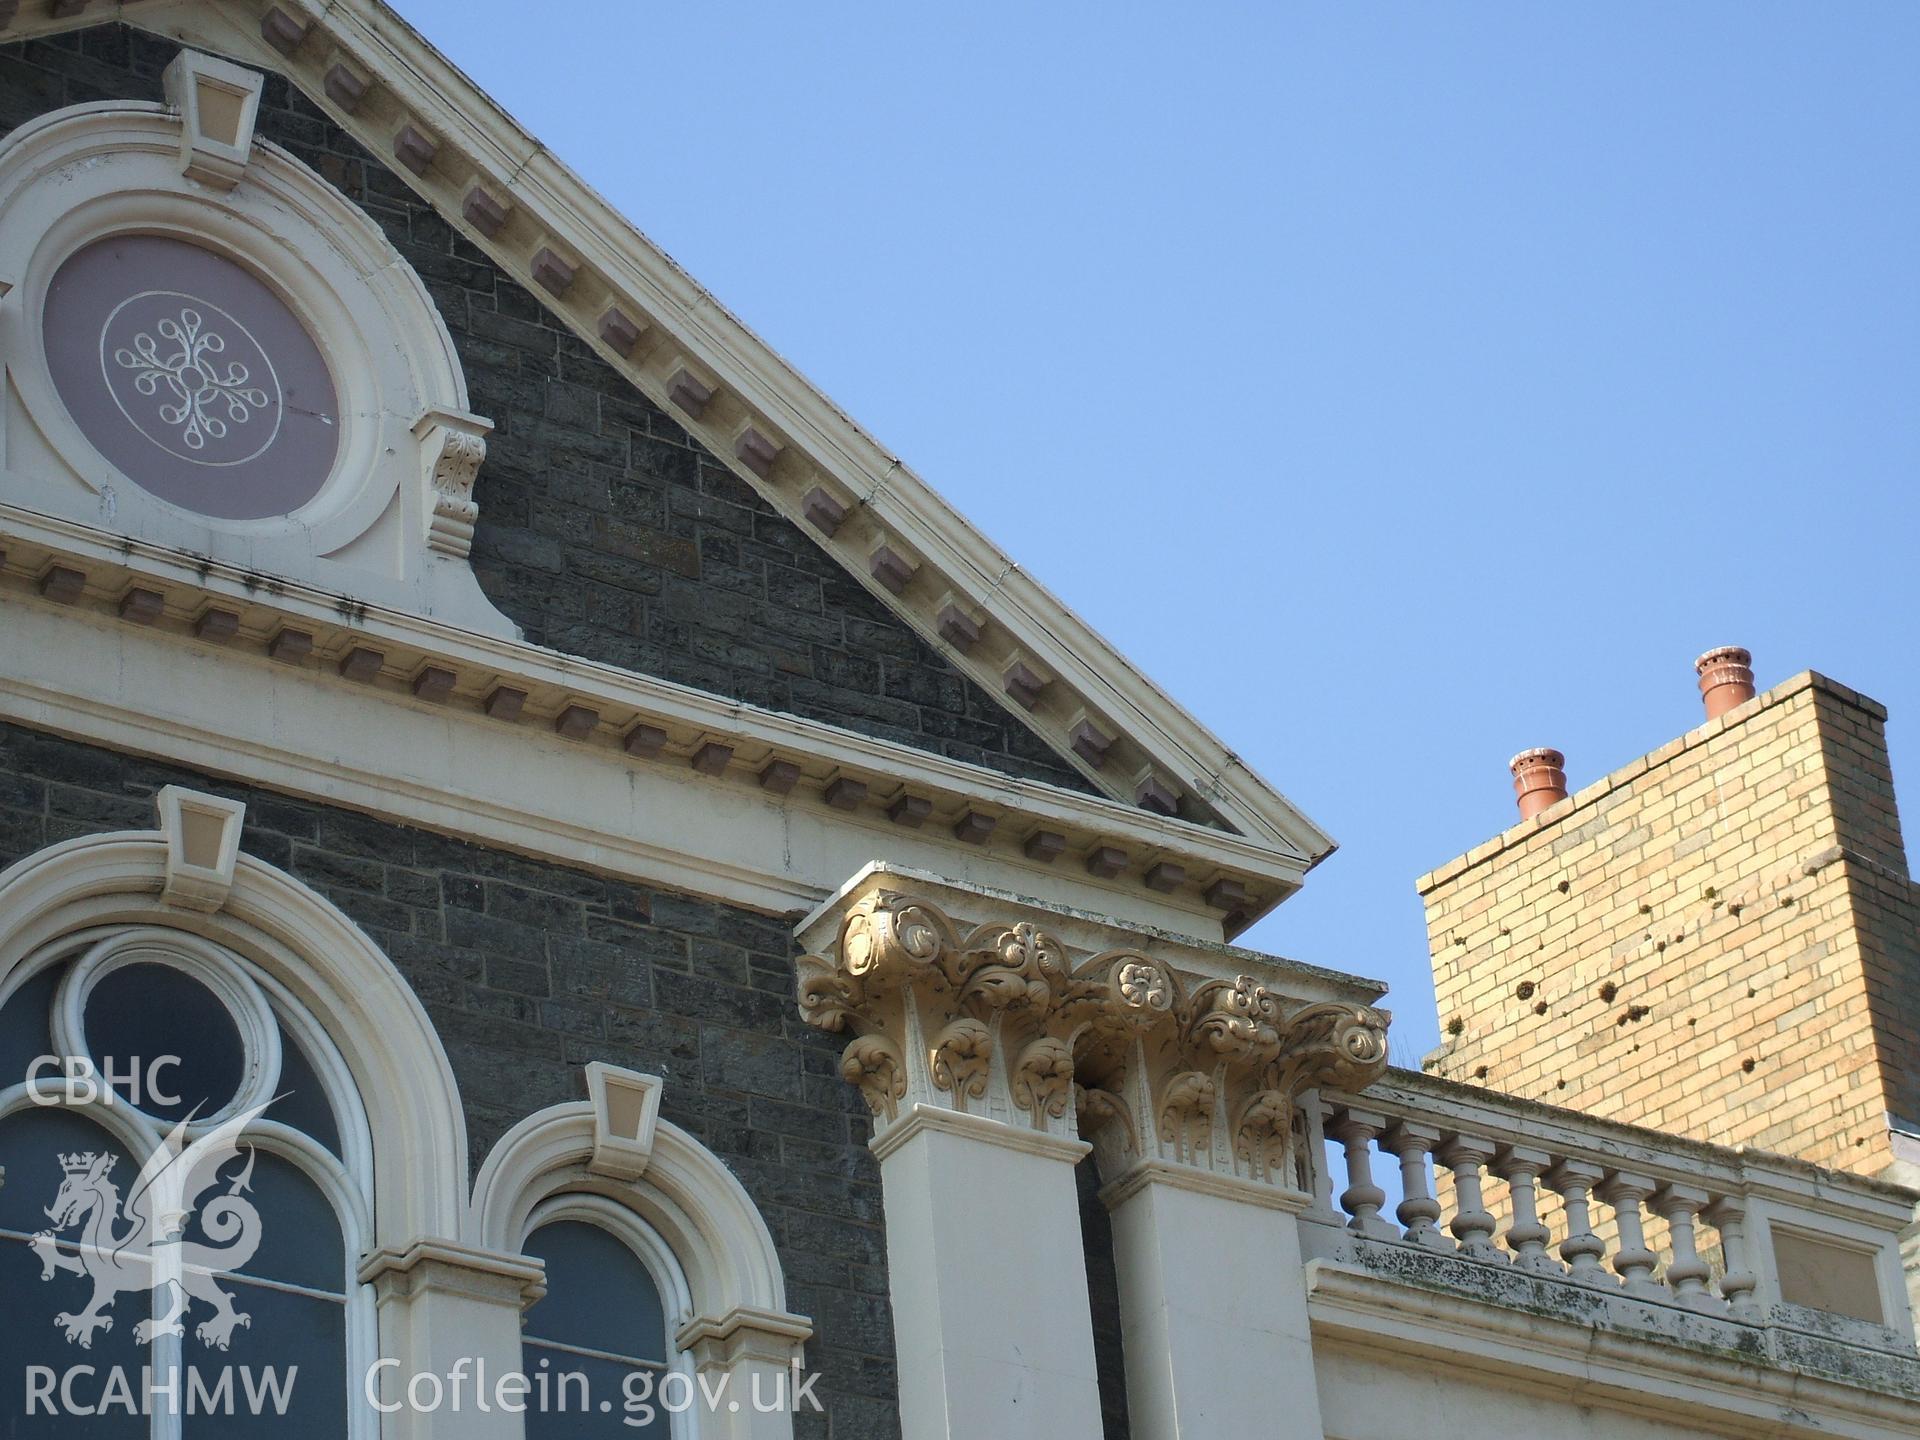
(1400,385)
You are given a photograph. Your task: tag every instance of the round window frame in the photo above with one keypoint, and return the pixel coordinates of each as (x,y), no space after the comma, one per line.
(245,1002)
(93,172)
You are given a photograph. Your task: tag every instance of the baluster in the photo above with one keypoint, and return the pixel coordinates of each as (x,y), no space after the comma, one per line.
(1418,1210)
(1314,1155)
(1526,1236)
(1728,1215)
(1467,1156)
(1573,1182)
(1633,1260)
(1687,1273)
(1362,1199)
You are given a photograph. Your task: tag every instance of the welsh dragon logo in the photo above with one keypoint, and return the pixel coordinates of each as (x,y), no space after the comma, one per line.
(139,1244)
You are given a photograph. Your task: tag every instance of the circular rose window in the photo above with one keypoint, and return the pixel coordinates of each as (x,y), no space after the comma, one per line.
(191,376)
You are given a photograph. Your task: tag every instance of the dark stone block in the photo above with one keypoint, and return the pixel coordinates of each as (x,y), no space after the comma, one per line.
(740,1060)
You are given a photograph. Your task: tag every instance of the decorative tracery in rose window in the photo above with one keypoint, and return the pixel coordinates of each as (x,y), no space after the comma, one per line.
(193,378)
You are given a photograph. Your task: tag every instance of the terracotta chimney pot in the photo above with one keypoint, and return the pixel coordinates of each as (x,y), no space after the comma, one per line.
(1539,780)
(1726,679)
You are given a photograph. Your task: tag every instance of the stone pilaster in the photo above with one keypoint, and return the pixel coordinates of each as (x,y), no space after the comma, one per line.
(443,1306)
(1191,1101)
(984,1050)
(963,1047)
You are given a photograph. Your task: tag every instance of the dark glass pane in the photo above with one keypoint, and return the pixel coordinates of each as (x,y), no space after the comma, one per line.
(563,1405)
(299,1235)
(25,1033)
(31,1144)
(302,1104)
(293,1350)
(144,1012)
(599,1295)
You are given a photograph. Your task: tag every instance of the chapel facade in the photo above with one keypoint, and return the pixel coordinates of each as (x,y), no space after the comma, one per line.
(550,886)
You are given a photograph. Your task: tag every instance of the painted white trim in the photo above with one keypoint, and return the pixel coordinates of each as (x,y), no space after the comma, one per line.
(553,207)
(923,1118)
(306,731)
(687,1195)
(253,1018)
(1220,1186)
(321,962)
(88,172)
(1590,1365)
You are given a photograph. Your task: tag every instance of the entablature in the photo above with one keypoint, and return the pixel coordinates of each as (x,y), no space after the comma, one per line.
(419,694)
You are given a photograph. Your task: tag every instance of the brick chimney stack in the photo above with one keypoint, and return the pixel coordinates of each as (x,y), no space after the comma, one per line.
(1720,939)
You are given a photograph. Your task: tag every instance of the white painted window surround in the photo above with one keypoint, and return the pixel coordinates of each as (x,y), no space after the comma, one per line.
(389,523)
(440,1272)
(334,1158)
(657,1257)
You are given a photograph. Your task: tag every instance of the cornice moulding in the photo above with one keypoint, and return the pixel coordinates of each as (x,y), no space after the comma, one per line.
(464,1269)
(258,613)
(1116,1193)
(411,83)
(1591,1364)
(1087,931)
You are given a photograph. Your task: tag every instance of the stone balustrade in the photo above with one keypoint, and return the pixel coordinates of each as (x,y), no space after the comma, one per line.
(1616,1210)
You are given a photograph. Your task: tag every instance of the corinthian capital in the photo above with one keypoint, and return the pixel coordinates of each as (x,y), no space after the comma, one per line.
(1214,1084)
(966,1018)
(1000,1020)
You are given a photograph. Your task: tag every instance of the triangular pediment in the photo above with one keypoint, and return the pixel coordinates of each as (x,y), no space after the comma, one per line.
(591,268)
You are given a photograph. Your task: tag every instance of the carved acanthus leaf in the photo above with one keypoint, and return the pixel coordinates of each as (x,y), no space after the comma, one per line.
(826,996)
(1097,1107)
(997,1020)
(1043,1078)
(1342,1047)
(1263,1134)
(875,1065)
(1237,1019)
(961,1053)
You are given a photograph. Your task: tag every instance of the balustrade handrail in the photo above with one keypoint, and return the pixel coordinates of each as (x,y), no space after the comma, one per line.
(1617,1208)
(1453,1107)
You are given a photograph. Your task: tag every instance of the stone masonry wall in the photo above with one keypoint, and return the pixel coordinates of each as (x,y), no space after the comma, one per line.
(1718,940)
(530,970)
(605,530)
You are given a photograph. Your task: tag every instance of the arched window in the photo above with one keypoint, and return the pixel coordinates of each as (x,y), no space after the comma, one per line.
(187,1189)
(603,1331)
(660,1271)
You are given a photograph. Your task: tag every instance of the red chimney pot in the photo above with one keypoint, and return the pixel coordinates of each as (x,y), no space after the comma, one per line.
(1726,679)
(1539,780)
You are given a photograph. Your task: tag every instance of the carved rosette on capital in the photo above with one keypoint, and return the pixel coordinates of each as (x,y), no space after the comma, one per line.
(999,1021)
(969,1020)
(1212,1079)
